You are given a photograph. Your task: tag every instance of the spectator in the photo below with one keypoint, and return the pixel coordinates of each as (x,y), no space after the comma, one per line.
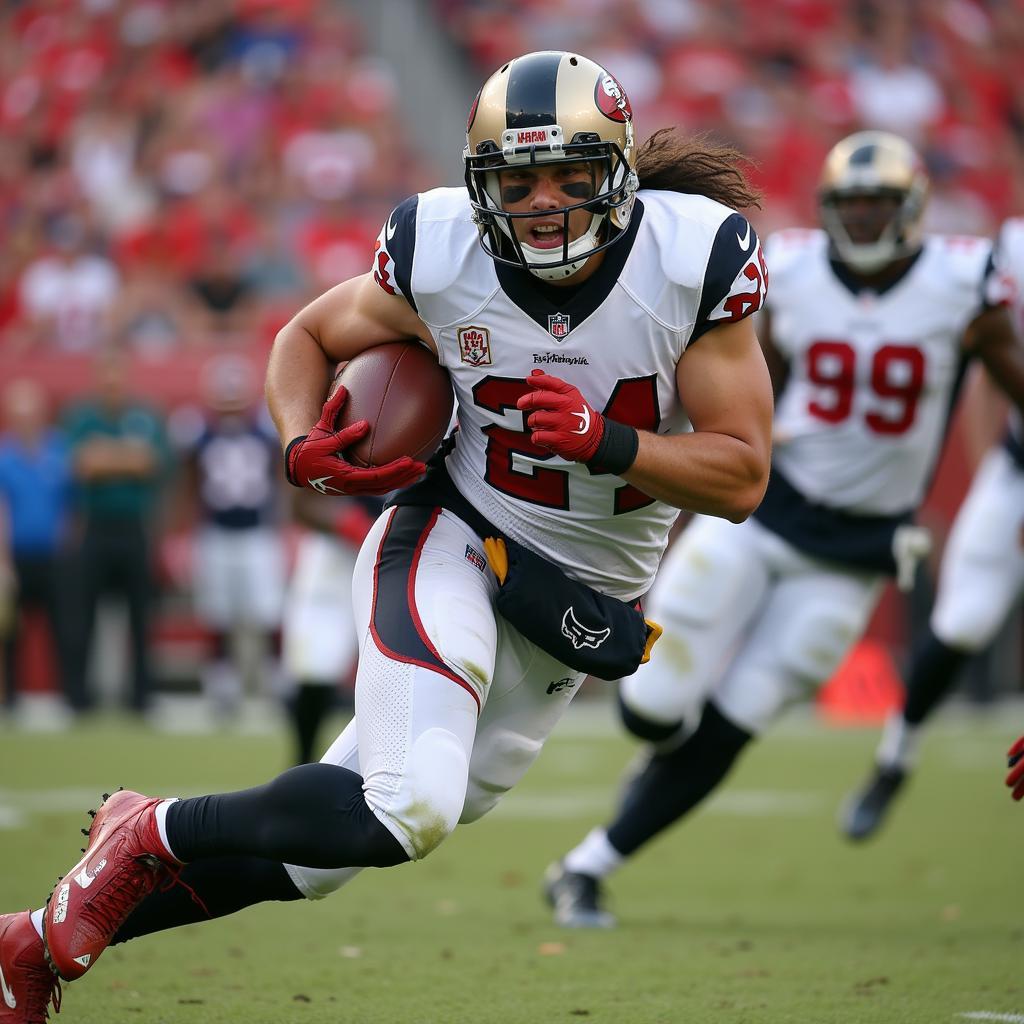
(119,455)
(233,480)
(67,295)
(35,483)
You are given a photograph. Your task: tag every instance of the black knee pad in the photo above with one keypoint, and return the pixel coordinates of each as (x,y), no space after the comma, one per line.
(643,728)
(323,808)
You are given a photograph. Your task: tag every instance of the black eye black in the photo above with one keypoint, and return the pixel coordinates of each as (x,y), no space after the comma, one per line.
(578,189)
(514,193)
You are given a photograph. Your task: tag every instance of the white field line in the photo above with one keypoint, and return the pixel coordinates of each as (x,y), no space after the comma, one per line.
(1008,1018)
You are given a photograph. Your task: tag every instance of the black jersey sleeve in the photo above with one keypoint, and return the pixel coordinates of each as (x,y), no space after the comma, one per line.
(736,277)
(393,253)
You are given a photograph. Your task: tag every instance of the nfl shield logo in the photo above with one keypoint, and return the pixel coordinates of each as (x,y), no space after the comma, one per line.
(558,326)
(475,345)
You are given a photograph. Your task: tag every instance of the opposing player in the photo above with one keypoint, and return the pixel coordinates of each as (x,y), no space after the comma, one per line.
(982,576)
(866,332)
(520,559)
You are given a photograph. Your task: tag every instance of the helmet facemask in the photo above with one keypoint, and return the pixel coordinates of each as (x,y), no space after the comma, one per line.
(610,202)
(897,239)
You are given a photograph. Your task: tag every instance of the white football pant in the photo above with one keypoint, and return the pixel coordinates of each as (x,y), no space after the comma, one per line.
(452,703)
(239,577)
(319,637)
(749,621)
(982,570)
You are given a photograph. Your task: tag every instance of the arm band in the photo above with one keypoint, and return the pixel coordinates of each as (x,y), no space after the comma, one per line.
(618,448)
(288,459)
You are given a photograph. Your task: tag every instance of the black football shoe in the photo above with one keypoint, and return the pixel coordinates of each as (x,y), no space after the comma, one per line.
(865,810)
(576,899)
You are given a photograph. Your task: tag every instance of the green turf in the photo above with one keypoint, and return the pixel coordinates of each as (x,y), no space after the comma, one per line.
(739,915)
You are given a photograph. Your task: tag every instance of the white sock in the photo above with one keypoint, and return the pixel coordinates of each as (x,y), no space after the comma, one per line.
(594,856)
(898,746)
(37,921)
(161,823)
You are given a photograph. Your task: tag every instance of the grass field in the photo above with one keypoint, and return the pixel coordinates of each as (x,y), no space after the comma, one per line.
(752,912)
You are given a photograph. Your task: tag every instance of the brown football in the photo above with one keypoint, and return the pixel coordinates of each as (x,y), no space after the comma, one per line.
(405,395)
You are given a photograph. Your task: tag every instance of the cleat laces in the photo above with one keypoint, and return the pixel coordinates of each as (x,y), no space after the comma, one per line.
(42,988)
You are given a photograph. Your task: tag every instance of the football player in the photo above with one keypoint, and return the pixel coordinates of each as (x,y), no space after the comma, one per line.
(591,301)
(866,331)
(320,641)
(239,565)
(981,578)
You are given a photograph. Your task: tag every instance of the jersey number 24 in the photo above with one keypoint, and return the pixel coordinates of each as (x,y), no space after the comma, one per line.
(634,401)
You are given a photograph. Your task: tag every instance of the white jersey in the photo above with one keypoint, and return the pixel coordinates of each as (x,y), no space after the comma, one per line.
(872,376)
(1010,260)
(686,263)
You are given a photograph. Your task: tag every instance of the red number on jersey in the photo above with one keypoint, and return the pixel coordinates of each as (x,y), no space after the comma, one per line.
(548,487)
(744,303)
(634,401)
(381,274)
(897,377)
(830,366)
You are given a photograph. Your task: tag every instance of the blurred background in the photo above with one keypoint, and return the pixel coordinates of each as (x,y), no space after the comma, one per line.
(178,177)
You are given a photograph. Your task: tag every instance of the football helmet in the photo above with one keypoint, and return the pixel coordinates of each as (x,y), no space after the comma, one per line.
(874,163)
(542,108)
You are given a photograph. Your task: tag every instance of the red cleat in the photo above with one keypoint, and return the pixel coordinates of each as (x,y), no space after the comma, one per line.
(27,985)
(124,862)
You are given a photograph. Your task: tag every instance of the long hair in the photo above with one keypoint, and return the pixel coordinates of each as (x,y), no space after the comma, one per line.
(673,163)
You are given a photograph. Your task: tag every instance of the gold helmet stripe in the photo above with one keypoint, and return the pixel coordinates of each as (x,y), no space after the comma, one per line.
(530,100)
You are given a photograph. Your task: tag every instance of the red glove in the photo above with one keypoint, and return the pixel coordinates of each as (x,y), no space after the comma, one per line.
(353,523)
(561,419)
(314,459)
(1015,762)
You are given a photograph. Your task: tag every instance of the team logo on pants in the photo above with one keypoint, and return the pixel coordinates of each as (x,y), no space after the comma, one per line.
(475,346)
(580,635)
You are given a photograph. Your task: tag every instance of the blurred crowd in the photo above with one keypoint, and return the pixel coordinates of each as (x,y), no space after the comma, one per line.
(177,175)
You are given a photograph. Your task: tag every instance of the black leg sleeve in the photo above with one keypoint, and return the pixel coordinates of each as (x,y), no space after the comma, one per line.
(645,729)
(309,706)
(313,815)
(208,889)
(934,669)
(674,782)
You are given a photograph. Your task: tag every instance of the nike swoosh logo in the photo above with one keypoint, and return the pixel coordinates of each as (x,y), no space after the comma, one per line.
(7,991)
(391,227)
(84,879)
(584,418)
(745,240)
(319,485)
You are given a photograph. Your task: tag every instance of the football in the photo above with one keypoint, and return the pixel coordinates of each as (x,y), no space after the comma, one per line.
(401,389)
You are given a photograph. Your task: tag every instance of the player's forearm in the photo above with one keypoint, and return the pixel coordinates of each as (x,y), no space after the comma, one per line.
(714,474)
(298,374)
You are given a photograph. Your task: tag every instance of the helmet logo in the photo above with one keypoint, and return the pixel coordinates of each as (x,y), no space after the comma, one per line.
(611,99)
(472,111)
